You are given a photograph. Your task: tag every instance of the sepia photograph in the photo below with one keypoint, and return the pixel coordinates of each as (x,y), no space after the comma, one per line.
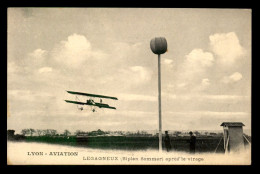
(129,86)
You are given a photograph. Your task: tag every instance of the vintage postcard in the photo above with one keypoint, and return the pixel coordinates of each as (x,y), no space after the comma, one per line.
(129,86)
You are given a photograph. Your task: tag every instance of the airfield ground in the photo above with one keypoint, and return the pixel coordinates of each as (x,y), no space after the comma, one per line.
(23,153)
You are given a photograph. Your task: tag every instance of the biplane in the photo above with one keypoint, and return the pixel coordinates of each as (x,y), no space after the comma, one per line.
(90,101)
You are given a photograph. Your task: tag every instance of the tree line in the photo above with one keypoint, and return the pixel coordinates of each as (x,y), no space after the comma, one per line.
(53,132)
(44,132)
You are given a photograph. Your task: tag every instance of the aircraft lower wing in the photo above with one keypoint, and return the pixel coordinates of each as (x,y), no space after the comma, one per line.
(111,108)
(108,107)
(75,102)
(100,105)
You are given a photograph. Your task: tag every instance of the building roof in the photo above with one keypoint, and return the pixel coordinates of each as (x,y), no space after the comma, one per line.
(232,124)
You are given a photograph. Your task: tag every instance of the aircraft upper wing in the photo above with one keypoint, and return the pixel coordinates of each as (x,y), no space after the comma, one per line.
(92,95)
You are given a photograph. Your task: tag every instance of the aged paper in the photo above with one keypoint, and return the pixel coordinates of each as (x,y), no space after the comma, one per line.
(129,86)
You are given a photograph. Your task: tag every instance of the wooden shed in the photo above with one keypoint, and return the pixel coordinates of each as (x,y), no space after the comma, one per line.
(233,136)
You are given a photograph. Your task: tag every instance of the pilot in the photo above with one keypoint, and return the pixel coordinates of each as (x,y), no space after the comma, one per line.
(167,141)
(192,142)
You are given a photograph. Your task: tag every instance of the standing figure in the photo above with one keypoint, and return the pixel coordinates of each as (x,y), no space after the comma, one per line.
(167,141)
(192,142)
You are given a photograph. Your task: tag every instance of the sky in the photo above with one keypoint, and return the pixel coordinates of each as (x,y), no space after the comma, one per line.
(205,73)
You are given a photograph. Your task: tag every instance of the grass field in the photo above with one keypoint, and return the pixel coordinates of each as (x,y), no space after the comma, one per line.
(17,154)
(203,144)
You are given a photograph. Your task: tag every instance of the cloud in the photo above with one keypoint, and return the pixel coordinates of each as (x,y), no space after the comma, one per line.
(235,77)
(142,72)
(12,68)
(193,69)
(207,98)
(75,51)
(34,59)
(196,62)
(29,96)
(130,54)
(28,66)
(45,70)
(205,82)
(198,58)
(168,62)
(136,97)
(38,53)
(210,113)
(227,47)
(125,50)
(19,92)
(181,85)
(198,66)
(135,75)
(223,98)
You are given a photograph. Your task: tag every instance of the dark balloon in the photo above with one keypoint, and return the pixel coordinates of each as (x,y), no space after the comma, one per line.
(158,45)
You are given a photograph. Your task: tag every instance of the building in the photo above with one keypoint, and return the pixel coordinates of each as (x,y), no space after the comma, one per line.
(233,136)
(82,135)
